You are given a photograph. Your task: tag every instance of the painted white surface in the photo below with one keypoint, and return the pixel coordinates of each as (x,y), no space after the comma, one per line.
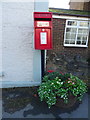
(0,46)
(17,36)
(21,63)
(71,17)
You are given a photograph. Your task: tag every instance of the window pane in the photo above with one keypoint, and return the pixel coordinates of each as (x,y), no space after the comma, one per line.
(84,37)
(83,31)
(72,23)
(79,37)
(78,42)
(84,42)
(84,24)
(74,30)
(72,41)
(68,30)
(73,36)
(68,36)
(66,41)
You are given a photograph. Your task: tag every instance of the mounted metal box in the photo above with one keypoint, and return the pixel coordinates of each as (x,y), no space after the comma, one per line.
(43,30)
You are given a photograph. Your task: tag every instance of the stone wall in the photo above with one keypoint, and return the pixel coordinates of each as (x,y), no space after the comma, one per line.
(66,59)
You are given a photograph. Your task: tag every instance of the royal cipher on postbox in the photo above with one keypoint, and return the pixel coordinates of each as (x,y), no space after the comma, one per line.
(43,30)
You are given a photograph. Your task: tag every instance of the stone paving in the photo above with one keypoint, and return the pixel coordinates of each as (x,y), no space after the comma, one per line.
(31,107)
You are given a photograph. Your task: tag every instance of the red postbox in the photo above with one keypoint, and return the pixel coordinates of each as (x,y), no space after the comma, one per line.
(43,30)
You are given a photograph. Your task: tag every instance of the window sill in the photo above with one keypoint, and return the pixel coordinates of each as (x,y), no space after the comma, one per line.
(67,45)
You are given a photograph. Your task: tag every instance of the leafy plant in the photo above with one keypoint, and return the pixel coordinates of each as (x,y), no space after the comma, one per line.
(61,85)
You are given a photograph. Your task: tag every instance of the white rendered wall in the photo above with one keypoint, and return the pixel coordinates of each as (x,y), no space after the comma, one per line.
(21,63)
(0,45)
(0,62)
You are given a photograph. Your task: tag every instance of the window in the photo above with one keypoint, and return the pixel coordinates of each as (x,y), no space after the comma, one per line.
(76,33)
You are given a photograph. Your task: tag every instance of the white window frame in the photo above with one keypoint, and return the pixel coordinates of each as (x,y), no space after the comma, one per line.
(67,26)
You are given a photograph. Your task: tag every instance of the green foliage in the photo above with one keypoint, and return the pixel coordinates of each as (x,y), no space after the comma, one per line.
(60,85)
(72,12)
